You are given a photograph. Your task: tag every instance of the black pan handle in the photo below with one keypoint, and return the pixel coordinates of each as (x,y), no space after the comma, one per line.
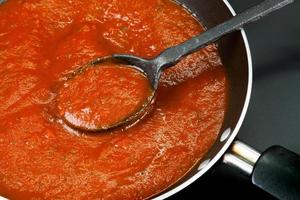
(276,170)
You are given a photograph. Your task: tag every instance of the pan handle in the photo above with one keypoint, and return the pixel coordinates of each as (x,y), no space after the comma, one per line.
(276,170)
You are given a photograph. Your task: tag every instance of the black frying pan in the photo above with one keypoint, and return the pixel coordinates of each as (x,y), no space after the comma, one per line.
(277,170)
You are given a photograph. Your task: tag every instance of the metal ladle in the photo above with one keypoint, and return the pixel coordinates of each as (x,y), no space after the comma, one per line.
(153,68)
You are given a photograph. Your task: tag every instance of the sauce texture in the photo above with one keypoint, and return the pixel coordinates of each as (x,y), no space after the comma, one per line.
(41,41)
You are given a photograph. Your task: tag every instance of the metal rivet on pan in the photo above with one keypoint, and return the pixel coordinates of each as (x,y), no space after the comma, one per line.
(225,134)
(203,164)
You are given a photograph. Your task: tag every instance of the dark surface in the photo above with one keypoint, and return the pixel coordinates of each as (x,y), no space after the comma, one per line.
(274,112)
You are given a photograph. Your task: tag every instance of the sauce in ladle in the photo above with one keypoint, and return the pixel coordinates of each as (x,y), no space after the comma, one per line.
(102,96)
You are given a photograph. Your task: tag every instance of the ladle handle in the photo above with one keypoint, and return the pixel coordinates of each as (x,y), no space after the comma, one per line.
(172,55)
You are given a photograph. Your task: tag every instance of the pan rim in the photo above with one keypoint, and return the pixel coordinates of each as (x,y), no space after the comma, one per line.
(234,133)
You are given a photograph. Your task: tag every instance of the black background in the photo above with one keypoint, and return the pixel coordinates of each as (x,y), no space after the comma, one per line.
(274,112)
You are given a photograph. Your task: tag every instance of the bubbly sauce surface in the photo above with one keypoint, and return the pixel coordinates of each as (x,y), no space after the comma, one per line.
(41,41)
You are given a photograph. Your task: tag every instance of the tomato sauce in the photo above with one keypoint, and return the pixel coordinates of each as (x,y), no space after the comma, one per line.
(42,41)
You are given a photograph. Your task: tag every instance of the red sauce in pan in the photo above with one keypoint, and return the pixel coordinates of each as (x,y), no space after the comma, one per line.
(42,41)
